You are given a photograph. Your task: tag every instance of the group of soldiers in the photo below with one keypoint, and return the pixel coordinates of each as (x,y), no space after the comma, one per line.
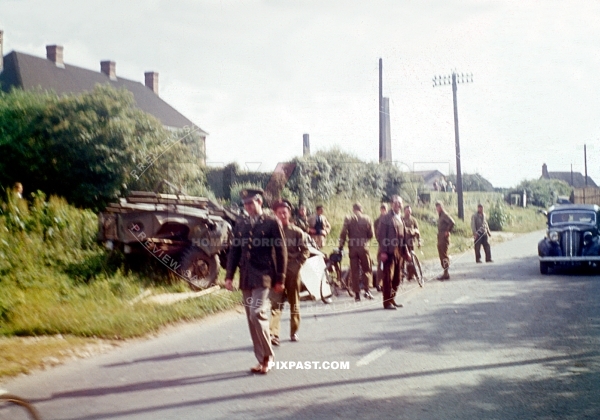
(270,250)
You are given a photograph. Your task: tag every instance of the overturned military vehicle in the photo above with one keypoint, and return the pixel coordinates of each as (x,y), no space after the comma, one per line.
(189,235)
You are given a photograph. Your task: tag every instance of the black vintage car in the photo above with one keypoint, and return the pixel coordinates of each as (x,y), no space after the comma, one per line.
(573,237)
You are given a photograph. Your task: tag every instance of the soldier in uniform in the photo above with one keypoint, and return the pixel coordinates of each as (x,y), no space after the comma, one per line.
(390,235)
(258,249)
(481,233)
(445,225)
(412,234)
(319,227)
(382,212)
(297,253)
(358,229)
(302,219)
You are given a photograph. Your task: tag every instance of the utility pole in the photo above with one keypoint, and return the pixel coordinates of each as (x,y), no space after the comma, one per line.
(381,145)
(454,79)
(585,160)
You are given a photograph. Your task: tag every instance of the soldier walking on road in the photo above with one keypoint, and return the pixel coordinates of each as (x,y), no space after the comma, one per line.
(445,225)
(481,233)
(358,228)
(390,235)
(319,227)
(383,209)
(297,253)
(258,248)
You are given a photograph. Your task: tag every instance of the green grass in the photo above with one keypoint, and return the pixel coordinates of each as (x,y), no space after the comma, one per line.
(54,279)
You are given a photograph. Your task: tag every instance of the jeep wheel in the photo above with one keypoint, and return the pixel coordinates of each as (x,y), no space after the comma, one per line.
(198,269)
(544,267)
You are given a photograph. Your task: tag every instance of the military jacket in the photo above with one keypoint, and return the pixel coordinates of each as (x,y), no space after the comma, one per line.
(412,229)
(445,224)
(479,224)
(390,233)
(297,247)
(259,251)
(302,223)
(376,224)
(358,228)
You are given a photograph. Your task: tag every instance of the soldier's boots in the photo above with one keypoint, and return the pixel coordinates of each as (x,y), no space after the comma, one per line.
(445,276)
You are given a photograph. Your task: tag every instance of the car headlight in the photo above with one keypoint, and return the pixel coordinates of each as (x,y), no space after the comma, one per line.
(553,236)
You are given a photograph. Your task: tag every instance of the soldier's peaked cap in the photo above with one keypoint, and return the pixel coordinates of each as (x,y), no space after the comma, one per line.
(282,203)
(249,194)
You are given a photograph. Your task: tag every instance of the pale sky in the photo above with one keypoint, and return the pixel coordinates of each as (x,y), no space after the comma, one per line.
(258,74)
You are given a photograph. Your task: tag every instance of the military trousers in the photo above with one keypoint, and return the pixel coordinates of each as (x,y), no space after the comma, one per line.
(379,275)
(391,274)
(482,240)
(360,263)
(292,294)
(257,312)
(443,245)
(411,271)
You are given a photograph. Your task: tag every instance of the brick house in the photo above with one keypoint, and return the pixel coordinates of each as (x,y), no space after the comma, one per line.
(25,71)
(574,179)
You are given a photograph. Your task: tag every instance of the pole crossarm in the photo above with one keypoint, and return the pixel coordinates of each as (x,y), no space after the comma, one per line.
(447,79)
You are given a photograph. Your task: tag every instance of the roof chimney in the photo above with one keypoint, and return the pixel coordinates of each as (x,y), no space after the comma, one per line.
(109,68)
(305,145)
(151,81)
(1,50)
(54,53)
(545,171)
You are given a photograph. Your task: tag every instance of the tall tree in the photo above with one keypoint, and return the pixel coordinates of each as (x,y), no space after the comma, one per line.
(89,148)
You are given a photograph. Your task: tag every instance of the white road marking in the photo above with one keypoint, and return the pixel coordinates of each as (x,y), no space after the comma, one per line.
(461,299)
(374,355)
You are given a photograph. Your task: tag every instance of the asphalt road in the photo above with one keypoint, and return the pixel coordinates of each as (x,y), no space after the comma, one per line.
(498,341)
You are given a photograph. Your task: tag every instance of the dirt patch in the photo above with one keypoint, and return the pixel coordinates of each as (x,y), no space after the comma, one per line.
(22,355)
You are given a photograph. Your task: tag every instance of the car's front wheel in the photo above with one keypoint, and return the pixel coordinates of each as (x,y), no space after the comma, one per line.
(544,267)
(198,269)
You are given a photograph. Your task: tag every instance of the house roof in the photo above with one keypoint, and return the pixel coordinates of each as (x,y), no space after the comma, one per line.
(29,72)
(429,175)
(578,179)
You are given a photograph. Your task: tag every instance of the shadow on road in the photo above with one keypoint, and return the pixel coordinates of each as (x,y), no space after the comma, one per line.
(174,356)
(497,398)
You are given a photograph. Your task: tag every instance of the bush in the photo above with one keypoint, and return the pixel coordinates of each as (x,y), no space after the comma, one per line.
(498,218)
(542,192)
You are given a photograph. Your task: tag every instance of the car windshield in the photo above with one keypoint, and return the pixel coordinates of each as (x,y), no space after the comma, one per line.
(573,216)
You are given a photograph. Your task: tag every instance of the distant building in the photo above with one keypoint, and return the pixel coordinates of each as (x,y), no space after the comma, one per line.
(574,179)
(429,177)
(28,72)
